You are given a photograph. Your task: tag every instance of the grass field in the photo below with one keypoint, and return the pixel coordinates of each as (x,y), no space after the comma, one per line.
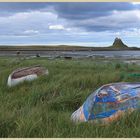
(42,108)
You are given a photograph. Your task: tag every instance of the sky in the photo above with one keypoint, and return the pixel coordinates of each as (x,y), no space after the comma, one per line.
(68,23)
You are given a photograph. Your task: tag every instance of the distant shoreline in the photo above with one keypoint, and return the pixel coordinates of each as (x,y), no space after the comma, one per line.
(63,48)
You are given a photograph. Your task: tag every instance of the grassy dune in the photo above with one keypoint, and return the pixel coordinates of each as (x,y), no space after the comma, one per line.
(42,108)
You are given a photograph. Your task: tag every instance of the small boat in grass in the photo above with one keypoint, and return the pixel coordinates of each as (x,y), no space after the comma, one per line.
(26,74)
(109,103)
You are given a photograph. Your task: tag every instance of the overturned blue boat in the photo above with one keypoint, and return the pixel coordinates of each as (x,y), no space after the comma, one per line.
(109,103)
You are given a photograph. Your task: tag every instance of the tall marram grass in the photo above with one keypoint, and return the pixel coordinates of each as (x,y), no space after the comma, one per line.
(42,108)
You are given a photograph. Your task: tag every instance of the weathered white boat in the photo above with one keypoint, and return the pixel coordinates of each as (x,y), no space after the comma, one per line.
(26,74)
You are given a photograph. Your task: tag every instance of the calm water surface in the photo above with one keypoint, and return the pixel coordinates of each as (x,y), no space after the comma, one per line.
(126,54)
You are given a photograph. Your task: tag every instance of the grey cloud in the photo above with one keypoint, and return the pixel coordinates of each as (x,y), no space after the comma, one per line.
(10,8)
(90,9)
(77,14)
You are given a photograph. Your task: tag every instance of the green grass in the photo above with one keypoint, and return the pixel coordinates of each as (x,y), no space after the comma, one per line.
(42,108)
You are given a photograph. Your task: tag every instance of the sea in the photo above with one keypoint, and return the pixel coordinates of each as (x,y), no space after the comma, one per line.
(75,54)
